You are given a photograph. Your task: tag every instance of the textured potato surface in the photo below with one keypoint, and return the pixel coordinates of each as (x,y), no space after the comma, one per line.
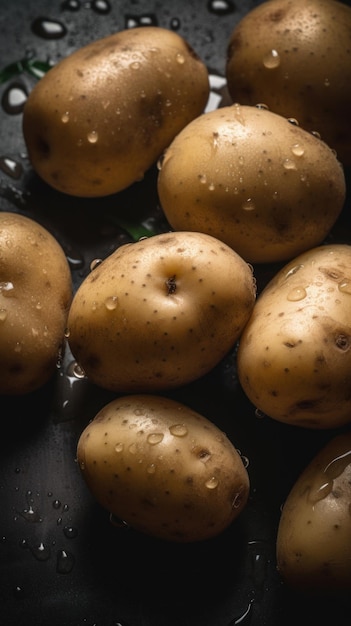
(163,468)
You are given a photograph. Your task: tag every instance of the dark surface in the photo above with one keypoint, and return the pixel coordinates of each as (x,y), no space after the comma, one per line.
(62,563)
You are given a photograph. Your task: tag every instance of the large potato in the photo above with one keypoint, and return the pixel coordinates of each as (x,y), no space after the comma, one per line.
(162,468)
(294,356)
(294,56)
(98,120)
(160,312)
(313,541)
(264,186)
(35,295)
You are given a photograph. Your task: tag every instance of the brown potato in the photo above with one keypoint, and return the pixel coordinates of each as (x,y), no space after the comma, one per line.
(100,118)
(35,295)
(163,468)
(294,56)
(313,540)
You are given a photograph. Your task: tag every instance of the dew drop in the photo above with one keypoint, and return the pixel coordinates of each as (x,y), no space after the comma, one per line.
(297,150)
(11,167)
(289,164)
(14,98)
(41,552)
(119,447)
(154,438)
(70,532)
(178,430)
(94,264)
(296,294)
(345,287)
(71,5)
(93,136)
(111,303)
(180,58)
(248,205)
(211,483)
(221,7)
(101,6)
(56,504)
(293,121)
(48,28)
(271,60)
(64,562)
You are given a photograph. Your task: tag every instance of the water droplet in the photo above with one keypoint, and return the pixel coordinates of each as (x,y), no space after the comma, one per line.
(41,552)
(93,136)
(296,294)
(263,106)
(94,264)
(271,60)
(221,7)
(293,121)
(119,447)
(154,438)
(297,149)
(316,134)
(202,178)
(56,504)
(345,286)
(11,167)
(248,205)
(175,23)
(151,468)
(289,164)
(111,303)
(211,483)
(321,492)
(65,117)
(293,270)
(64,562)
(101,6)
(70,532)
(14,98)
(3,315)
(180,58)
(178,430)
(326,82)
(48,28)
(135,65)
(133,448)
(71,5)
(147,19)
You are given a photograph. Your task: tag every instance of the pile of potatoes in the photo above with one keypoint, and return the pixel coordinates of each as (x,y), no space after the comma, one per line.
(259,181)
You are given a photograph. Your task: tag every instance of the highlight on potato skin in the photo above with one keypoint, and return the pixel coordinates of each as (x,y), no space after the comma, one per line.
(101,117)
(163,468)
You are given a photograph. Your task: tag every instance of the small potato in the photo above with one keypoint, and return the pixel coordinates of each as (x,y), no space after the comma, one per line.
(162,468)
(100,118)
(313,540)
(264,186)
(35,295)
(294,355)
(294,56)
(161,312)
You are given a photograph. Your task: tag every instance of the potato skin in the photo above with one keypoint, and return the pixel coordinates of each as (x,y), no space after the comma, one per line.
(161,312)
(294,56)
(313,540)
(267,188)
(294,355)
(98,120)
(163,468)
(35,295)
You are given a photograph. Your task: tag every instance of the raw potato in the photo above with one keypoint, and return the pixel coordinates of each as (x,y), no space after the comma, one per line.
(35,295)
(294,56)
(264,186)
(160,312)
(99,119)
(313,541)
(163,468)
(294,356)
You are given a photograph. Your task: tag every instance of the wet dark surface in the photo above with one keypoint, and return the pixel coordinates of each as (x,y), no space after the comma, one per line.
(62,563)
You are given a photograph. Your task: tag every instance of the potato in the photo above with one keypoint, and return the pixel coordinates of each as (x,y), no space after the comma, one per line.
(294,56)
(267,188)
(161,312)
(163,468)
(100,118)
(313,540)
(294,355)
(35,295)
